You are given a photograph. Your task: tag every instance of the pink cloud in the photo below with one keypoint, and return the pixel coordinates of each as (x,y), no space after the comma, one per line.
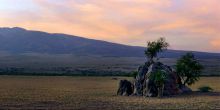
(126,21)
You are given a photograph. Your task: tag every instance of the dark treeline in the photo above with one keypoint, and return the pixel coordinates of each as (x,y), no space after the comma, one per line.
(77,72)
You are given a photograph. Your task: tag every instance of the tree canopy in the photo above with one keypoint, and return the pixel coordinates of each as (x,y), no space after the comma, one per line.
(188,68)
(153,48)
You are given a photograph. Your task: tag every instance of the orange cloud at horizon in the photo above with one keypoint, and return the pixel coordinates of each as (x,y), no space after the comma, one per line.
(186,24)
(216,43)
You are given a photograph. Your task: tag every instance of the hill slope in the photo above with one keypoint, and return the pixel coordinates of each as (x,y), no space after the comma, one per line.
(19,40)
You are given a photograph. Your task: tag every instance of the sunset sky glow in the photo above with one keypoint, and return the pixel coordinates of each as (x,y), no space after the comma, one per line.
(186,24)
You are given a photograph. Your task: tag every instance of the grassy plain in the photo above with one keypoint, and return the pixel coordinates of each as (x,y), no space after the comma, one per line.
(60,92)
(70,64)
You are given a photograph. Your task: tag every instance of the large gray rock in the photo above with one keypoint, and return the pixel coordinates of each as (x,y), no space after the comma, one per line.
(140,78)
(184,89)
(145,86)
(125,88)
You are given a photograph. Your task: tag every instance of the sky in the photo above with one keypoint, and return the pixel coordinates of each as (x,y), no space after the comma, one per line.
(186,24)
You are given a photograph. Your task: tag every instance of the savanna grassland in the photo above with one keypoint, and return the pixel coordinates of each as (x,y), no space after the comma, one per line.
(62,92)
(43,64)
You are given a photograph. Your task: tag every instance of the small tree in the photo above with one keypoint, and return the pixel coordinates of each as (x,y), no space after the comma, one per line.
(188,68)
(159,78)
(153,48)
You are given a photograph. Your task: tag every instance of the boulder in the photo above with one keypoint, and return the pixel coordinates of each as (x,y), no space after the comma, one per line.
(145,86)
(184,89)
(125,88)
(140,78)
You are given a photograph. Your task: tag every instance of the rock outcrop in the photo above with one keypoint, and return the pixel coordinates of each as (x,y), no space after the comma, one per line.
(125,88)
(145,86)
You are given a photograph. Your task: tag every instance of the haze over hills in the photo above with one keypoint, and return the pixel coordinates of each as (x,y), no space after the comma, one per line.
(18,40)
(29,52)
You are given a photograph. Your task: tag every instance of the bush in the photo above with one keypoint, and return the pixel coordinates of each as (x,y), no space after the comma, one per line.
(133,74)
(205,89)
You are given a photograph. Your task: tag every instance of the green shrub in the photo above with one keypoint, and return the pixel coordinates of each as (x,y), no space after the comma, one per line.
(133,74)
(159,78)
(205,89)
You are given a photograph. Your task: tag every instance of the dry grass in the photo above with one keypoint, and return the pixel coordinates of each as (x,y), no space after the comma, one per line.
(26,92)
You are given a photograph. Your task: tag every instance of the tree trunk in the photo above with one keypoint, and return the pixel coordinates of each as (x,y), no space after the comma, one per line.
(160,91)
(185,81)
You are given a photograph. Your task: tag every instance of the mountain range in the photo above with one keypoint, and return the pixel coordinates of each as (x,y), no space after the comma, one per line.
(18,40)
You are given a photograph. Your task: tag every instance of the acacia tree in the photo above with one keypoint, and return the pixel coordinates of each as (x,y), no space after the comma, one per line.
(159,78)
(153,48)
(188,68)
